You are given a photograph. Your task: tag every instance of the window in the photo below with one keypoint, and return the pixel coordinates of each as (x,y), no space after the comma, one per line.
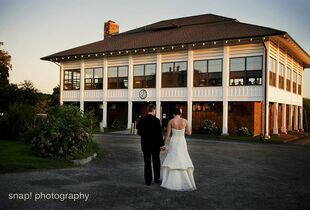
(299,84)
(174,74)
(144,76)
(93,78)
(272,72)
(288,79)
(246,71)
(294,81)
(72,79)
(281,76)
(208,73)
(118,77)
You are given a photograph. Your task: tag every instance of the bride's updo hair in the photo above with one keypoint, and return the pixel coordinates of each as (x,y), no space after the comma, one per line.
(177,111)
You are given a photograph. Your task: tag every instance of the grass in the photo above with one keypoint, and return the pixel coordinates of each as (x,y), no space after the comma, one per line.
(17,156)
(90,149)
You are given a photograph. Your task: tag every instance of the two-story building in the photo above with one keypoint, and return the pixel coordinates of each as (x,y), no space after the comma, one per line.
(212,67)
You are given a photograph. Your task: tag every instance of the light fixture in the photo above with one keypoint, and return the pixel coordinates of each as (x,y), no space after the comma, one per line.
(75,56)
(251,39)
(182,46)
(111,53)
(193,45)
(126,51)
(102,53)
(203,44)
(62,58)
(172,47)
(68,57)
(96,54)
(119,52)
(162,48)
(88,55)
(143,50)
(82,56)
(135,51)
(214,42)
(239,40)
(154,49)
(226,41)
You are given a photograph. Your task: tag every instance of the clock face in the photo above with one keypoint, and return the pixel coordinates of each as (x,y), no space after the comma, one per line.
(142,94)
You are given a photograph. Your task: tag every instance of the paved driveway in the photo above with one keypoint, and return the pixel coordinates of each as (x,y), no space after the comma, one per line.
(229,175)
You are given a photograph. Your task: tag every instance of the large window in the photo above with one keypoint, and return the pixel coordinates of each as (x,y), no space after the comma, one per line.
(272,72)
(246,71)
(72,79)
(294,82)
(208,73)
(93,78)
(174,74)
(299,84)
(144,76)
(281,76)
(288,79)
(118,77)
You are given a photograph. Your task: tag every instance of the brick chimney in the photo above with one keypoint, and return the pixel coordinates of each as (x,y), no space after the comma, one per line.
(110,28)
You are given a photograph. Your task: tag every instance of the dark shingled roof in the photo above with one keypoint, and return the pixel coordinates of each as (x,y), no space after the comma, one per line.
(194,29)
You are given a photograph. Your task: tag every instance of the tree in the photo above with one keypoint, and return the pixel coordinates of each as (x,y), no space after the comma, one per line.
(5,66)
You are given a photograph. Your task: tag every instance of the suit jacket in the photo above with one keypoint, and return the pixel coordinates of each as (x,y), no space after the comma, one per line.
(151,134)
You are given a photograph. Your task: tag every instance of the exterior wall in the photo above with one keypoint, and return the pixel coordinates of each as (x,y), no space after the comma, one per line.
(224,94)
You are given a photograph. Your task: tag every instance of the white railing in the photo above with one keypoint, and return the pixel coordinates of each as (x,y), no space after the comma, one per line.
(93,95)
(173,94)
(117,95)
(207,93)
(283,96)
(245,93)
(71,95)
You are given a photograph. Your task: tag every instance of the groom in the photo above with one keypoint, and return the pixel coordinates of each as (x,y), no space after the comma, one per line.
(151,143)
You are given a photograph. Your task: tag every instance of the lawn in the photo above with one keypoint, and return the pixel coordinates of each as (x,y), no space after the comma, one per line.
(16,156)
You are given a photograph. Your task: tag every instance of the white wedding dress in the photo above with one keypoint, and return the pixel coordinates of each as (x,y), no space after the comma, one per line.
(177,168)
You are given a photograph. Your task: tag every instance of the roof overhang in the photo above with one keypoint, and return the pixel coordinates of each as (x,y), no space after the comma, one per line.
(293,48)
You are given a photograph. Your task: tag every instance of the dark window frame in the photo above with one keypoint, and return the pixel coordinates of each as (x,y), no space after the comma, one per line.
(119,80)
(144,77)
(207,77)
(244,75)
(74,82)
(95,83)
(178,83)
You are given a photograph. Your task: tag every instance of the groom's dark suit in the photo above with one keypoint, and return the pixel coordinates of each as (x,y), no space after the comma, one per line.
(151,140)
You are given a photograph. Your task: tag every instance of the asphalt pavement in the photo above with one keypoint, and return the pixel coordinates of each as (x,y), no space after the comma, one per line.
(228,175)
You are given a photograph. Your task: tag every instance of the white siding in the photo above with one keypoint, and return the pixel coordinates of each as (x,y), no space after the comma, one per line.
(204,54)
(118,61)
(143,59)
(71,95)
(246,50)
(72,65)
(174,56)
(90,63)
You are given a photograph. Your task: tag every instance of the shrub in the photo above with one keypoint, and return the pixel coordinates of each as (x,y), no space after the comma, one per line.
(17,121)
(65,132)
(209,127)
(243,131)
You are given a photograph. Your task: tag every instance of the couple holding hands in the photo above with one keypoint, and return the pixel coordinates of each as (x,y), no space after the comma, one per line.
(177,168)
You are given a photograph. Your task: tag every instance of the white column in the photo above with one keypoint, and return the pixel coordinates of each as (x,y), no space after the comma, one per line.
(225,76)
(105,91)
(82,86)
(158,85)
(129,122)
(283,127)
(295,118)
(130,85)
(266,85)
(275,118)
(190,73)
(277,66)
(301,128)
(290,117)
(61,84)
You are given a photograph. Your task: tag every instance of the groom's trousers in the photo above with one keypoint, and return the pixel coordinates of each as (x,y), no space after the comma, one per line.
(154,156)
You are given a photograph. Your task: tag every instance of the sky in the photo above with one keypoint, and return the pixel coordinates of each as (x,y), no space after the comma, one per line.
(31,29)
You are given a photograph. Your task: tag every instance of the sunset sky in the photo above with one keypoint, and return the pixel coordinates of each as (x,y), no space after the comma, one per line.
(31,29)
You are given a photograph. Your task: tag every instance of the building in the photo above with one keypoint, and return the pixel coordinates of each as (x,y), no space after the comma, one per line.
(212,67)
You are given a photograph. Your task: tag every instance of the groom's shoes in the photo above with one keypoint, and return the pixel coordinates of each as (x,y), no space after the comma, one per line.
(157,181)
(147,183)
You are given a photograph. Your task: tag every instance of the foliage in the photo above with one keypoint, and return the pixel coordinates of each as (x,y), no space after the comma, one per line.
(65,131)
(18,120)
(54,100)
(209,127)
(5,66)
(306,116)
(243,131)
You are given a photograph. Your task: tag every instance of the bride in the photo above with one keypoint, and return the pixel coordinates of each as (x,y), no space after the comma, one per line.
(177,168)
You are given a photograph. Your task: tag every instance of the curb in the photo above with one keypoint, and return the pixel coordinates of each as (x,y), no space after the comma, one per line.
(85,160)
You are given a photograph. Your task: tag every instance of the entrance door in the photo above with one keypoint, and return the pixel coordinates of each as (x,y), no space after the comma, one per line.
(167,111)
